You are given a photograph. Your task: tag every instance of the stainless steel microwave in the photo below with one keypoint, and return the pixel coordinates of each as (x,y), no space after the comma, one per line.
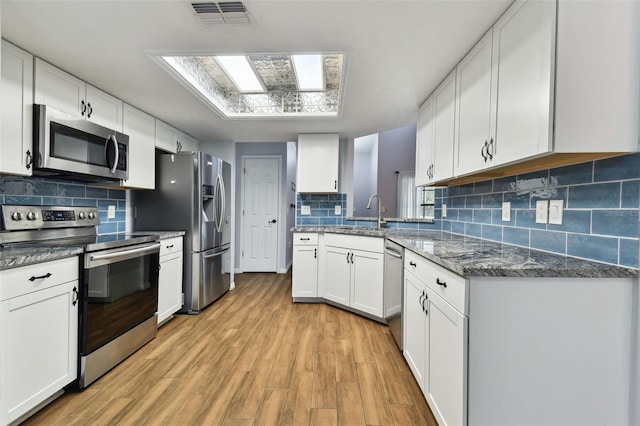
(73,147)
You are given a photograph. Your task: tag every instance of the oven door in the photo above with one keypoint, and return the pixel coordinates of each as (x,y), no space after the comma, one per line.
(119,291)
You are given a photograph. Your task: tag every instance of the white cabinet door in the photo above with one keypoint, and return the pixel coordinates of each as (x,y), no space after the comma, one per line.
(444,99)
(166,137)
(104,109)
(474,109)
(446,384)
(305,271)
(337,275)
(523,57)
(367,272)
(414,324)
(39,347)
(59,90)
(16,115)
(141,128)
(424,143)
(170,278)
(318,163)
(186,142)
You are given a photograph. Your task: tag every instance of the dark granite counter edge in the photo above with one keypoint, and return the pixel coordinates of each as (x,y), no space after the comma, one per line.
(15,258)
(163,235)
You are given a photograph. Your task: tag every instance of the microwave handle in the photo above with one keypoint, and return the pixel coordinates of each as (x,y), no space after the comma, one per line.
(112,138)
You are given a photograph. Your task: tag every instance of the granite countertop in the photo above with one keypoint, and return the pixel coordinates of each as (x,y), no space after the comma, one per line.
(474,257)
(163,235)
(14,257)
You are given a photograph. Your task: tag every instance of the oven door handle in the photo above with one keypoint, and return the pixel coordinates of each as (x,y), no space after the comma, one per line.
(124,254)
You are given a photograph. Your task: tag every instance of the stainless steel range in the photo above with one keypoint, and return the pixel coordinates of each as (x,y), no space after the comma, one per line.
(119,289)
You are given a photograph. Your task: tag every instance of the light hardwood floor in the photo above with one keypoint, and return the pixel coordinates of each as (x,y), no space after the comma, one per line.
(255,358)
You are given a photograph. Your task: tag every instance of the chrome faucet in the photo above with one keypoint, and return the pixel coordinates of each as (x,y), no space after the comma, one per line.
(381,221)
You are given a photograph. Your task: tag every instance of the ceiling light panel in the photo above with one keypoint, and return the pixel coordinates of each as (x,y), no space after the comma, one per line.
(241,72)
(309,72)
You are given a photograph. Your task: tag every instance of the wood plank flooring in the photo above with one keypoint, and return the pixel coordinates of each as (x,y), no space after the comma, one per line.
(255,358)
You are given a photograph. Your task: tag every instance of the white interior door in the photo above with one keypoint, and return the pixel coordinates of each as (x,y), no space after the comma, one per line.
(261,201)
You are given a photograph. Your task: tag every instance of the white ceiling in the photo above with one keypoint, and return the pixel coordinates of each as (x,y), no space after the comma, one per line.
(398,51)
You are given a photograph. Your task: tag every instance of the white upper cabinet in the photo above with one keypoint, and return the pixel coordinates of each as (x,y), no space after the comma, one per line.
(66,93)
(16,153)
(443,128)
(318,156)
(186,142)
(141,130)
(474,109)
(424,143)
(166,137)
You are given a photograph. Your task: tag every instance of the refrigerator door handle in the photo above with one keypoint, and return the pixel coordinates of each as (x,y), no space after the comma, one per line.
(223,198)
(219,253)
(219,207)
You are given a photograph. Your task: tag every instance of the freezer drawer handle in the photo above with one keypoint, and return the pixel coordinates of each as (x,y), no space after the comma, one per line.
(41,277)
(442,283)
(209,256)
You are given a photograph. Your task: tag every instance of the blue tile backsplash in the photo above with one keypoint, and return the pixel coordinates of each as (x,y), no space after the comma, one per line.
(600,217)
(42,191)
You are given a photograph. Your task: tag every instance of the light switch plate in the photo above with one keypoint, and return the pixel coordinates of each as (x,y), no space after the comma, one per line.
(555,211)
(444,210)
(338,210)
(111,211)
(506,211)
(305,210)
(542,211)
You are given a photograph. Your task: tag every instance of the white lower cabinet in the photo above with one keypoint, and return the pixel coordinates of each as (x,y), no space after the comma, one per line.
(170,279)
(305,266)
(351,272)
(520,351)
(39,334)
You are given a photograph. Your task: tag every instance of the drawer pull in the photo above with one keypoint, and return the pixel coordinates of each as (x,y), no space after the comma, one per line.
(41,277)
(170,246)
(305,239)
(412,263)
(442,283)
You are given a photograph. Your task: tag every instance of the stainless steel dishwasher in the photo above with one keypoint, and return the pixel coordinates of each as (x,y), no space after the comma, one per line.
(393,288)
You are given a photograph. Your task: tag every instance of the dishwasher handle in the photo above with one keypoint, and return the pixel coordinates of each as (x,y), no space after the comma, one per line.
(392,253)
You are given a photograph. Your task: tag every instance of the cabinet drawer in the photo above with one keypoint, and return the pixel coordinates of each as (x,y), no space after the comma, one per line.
(305,239)
(170,246)
(452,288)
(355,242)
(18,281)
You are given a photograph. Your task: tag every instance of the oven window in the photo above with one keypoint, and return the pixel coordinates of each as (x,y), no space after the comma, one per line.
(118,296)
(72,144)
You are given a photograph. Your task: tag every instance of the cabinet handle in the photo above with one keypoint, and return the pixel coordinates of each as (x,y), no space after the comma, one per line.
(170,246)
(424,308)
(315,253)
(347,257)
(76,296)
(29,161)
(421,300)
(490,151)
(335,184)
(351,257)
(178,146)
(305,239)
(411,263)
(442,283)
(485,148)
(83,108)
(41,277)
(90,110)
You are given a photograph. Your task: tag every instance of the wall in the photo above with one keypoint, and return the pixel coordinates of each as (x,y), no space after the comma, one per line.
(42,191)
(261,148)
(290,206)
(396,152)
(365,171)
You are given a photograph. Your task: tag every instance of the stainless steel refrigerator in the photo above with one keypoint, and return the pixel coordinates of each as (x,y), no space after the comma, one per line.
(193,195)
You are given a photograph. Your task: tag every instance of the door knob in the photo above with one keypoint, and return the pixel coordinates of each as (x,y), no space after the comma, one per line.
(272,221)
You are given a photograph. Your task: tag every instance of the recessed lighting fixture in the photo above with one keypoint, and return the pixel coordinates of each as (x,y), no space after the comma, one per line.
(241,72)
(309,72)
(264,85)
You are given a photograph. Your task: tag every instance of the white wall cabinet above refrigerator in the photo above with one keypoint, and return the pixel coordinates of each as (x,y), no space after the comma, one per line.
(64,92)
(140,127)
(318,163)
(16,140)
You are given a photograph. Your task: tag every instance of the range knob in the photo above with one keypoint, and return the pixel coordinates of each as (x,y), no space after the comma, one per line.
(32,215)
(81,215)
(16,216)
(92,215)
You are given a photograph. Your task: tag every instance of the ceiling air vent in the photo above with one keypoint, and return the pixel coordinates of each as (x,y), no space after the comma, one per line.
(219,13)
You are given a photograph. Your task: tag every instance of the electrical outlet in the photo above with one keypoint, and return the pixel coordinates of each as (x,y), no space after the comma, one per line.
(555,211)
(542,211)
(305,210)
(444,210)
(338,210)
(111,212)
(506,211)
